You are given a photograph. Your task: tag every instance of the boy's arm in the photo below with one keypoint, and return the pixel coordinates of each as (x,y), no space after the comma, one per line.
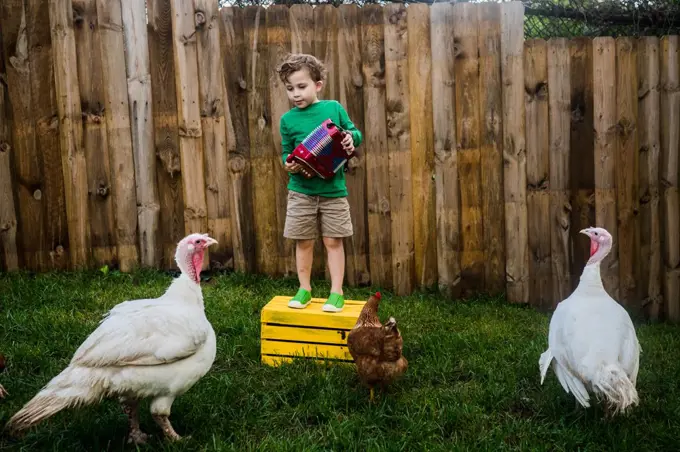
(286,141)
(349,126)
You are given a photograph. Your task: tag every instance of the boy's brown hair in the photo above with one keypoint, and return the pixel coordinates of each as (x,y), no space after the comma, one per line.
(296,61)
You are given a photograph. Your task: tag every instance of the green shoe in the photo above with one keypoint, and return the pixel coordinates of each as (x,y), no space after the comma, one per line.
(301,299)
(335,303)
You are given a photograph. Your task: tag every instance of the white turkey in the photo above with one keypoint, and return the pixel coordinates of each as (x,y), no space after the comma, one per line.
(149,348)
(592,343)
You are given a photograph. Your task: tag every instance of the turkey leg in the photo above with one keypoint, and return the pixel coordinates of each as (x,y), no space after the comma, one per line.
(131,408)
(164,423)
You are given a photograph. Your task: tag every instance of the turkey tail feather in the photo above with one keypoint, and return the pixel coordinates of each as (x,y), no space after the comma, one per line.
(73,387)
(618,390)
(572,384)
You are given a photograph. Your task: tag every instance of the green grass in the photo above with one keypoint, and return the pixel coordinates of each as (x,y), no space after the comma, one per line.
(473,381)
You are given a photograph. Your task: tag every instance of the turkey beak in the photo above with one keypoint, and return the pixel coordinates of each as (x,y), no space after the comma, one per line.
(210,241)
(585,231)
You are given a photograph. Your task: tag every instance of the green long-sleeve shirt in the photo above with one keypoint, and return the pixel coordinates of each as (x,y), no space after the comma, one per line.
(295,125)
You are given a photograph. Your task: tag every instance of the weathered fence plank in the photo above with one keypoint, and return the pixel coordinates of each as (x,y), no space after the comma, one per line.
(238,141)
(559,104)
(375,141)
(447,195)
(278,38)
(604,114)
(191,148)
(491,145)
(514,154)
(70,132)
(627,172)
(350,95)
(581,162)
(166,131)
(140,104)
(119,134)
(648,123)
(27,162)
(399,147)
(670,147)
(261,142)
(8,216)
(538,172)
(466,69)
(95,140)
(212,101)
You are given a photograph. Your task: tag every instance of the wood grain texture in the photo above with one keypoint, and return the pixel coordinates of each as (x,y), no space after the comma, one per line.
(118,131)
(397,112)
(670,147)
(491,145)
(70,132)
(447,193)
(9,258)
(514,153)
(604,114)
(627,152)
(90,75)
(351,96)
(538,172)
(649,135)
(560,208)
(261,142)
(213,104)
(375,147)
(466,70)
(238,140)
(419,58)
(141,116)
(166,131)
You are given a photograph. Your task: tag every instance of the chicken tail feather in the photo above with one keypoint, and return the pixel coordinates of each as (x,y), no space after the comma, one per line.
(73,387)
(612,384)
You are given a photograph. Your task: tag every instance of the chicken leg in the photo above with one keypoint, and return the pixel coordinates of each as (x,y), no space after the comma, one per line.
(131,408)
(164,423)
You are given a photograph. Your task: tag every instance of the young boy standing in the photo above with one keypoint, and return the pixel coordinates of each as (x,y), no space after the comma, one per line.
(314,201)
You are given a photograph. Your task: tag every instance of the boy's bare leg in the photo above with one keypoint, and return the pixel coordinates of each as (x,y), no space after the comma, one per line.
(336,266)
(304,255)
(336,262)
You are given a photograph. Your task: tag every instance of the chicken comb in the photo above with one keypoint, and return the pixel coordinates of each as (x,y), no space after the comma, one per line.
(377,295)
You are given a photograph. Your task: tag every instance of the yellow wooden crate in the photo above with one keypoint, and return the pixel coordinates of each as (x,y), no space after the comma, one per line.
(288,333)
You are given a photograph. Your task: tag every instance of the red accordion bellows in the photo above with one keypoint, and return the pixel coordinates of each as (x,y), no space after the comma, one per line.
(321,152)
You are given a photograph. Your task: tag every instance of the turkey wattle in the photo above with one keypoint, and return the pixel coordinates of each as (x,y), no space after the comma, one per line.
(149,348)
(592,343)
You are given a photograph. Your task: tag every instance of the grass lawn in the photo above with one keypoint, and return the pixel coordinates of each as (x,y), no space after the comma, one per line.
(473,381)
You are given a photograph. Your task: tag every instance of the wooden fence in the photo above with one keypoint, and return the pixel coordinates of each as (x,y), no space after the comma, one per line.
(121,130)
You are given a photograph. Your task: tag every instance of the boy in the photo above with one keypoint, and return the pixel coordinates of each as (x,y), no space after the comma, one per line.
(315,199)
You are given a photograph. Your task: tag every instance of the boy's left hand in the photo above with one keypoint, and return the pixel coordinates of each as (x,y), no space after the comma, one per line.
(348,143)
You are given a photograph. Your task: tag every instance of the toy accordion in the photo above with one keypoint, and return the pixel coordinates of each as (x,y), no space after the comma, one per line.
(321,152)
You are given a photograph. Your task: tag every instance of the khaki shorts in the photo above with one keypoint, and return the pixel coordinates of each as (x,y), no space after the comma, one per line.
(306,213)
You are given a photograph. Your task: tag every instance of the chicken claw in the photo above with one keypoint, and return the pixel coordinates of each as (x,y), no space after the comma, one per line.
(3,392)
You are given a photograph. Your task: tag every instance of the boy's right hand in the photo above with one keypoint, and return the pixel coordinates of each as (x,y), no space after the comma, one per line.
(293,167)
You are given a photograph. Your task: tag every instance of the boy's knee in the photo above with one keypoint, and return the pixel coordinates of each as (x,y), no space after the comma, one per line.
(332,242)
(305,244)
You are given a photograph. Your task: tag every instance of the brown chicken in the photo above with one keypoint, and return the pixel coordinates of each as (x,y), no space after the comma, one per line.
(376,348)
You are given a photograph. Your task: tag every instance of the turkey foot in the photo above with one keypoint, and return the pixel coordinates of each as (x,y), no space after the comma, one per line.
(136,435)
(164,423)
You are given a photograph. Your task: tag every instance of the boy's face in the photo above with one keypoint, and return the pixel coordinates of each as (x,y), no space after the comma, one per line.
(301,89)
